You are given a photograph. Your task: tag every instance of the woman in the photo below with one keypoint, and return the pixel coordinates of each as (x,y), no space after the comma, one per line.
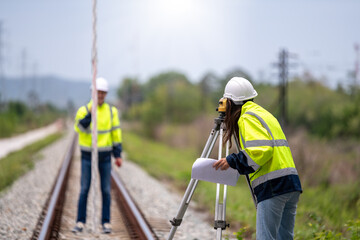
(265,156)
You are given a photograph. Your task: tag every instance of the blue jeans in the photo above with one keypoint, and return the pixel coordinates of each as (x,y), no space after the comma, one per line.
(105,180)
(275,217)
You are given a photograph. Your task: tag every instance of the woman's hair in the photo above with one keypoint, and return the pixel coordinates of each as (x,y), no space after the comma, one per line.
(232,115)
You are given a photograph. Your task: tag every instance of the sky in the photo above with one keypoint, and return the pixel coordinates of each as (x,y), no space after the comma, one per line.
(142,38)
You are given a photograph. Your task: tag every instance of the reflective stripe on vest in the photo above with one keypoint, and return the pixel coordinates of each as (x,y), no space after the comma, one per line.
(81,128)
(260,143)
(270,143)
(99,132)
(100,149)
(273,175)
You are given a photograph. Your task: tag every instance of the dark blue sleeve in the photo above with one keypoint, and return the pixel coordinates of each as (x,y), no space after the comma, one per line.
(117,149)
(238,161)
(85,122)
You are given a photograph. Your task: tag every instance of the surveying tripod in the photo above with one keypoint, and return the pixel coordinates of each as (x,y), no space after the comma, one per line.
(220,208)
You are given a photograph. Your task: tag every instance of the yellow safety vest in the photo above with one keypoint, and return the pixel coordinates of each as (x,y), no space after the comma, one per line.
(264,145)
(108,128)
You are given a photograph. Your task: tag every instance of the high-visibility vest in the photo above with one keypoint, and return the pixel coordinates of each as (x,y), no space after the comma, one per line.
(108,128)
(264,145)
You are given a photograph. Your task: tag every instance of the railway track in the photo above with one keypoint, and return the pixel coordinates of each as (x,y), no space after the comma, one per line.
(59,213)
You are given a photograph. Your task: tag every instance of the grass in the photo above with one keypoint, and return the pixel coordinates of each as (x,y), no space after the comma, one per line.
(328,209)
(159,160)
(19,162)
(323,213)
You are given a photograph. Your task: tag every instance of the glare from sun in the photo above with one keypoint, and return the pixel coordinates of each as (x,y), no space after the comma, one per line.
(176,11)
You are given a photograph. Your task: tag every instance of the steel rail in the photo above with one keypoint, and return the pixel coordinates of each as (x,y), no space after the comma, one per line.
(138,226)
(58,191)
(136,218)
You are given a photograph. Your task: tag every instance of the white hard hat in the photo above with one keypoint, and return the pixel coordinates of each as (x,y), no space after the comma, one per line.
(239,89)
(102,84)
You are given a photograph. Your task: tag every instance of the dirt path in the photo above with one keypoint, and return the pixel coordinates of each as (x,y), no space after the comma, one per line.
(12,144)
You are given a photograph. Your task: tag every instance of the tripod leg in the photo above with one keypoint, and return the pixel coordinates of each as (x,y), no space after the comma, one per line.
(220,212)
(192,185)
(183,207)
(220,208)
(224,202)
(210,143)
(225,186)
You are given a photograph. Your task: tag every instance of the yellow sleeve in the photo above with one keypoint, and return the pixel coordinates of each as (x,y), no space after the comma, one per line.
(116,132)
(253,130)
(80,114)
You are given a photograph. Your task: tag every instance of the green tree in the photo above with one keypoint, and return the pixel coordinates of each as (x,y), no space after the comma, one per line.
(325,112)
(166,98)
(174,101)
(130,92)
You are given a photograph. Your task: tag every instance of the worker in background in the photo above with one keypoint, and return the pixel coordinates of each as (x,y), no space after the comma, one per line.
(108,142)
(265,156)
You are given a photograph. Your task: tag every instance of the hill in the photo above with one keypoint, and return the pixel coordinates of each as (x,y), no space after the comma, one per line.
(48,89)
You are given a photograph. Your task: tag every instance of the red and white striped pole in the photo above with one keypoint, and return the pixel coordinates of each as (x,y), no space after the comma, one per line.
(94,155)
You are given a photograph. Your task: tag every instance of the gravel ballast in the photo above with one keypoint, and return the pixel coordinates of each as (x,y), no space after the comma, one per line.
(21,204)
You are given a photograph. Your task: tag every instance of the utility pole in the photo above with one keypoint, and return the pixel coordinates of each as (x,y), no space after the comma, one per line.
(2,80)
(356,72)
(23,91)
(283,85)
(283,66)
(33,97)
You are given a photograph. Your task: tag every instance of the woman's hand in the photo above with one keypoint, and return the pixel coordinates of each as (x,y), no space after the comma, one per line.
(222,164)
